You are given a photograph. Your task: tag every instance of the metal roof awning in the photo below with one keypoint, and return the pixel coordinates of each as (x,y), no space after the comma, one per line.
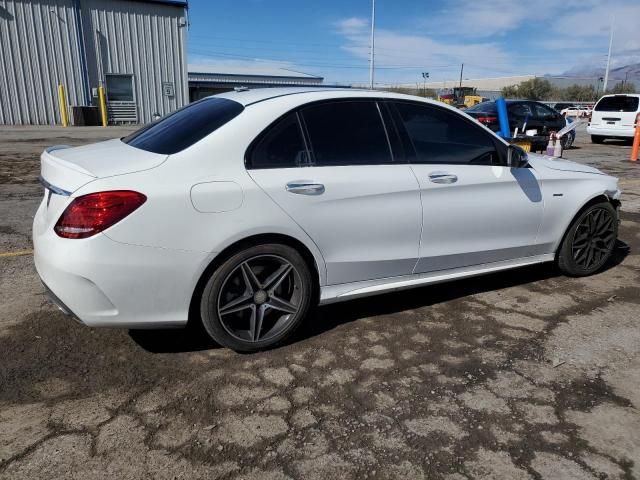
(250,76)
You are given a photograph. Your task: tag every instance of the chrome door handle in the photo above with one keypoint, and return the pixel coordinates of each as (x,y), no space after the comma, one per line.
(443,177)
(305,188)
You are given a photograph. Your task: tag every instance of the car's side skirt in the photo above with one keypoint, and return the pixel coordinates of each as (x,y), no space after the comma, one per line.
(348,291)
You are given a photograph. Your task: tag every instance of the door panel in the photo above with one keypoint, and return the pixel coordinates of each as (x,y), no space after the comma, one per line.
(474,211)
(365,219)
(487,214)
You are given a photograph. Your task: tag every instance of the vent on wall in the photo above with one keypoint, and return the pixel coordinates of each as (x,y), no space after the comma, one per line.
(122,112)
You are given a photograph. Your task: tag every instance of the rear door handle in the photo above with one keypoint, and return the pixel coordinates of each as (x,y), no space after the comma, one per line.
(442,177)
(302,187)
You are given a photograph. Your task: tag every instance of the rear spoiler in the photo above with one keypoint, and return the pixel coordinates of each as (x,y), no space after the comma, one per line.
(53,148)
(53,188)
(60,176)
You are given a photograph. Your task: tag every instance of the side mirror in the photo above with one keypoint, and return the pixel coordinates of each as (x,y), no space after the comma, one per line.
(517,157)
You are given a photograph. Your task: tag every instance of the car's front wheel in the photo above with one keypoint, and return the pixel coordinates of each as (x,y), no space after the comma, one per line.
(590,240)
(257,297)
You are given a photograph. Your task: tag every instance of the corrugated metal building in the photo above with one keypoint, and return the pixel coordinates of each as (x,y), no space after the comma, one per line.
(205,80)
(135,49)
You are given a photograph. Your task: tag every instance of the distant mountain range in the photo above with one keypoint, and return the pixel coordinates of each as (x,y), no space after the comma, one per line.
(628,72)
(590,75)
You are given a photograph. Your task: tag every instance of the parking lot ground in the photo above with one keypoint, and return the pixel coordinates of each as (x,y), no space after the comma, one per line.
(518,375)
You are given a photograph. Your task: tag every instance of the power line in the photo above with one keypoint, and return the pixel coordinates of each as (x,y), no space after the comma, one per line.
(346,46)
(312,64)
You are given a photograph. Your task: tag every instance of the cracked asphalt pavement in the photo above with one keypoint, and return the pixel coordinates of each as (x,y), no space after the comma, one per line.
(519,375)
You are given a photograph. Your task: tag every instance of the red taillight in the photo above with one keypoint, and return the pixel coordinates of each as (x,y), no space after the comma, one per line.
(487,119)
(90,214)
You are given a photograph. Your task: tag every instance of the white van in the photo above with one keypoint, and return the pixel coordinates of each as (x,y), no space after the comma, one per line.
(614,116)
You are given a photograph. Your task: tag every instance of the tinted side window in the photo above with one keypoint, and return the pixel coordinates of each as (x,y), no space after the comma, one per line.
(184,127)
(281,146)
(542,111)
(520,110)
(346,133)
(439,136)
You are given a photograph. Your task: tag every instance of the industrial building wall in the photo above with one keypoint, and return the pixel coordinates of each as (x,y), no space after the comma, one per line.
(147,40)
(38,50)
(41,45)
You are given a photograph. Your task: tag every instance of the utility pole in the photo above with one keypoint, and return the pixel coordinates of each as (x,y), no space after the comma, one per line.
(606,73)
(373,43)
(461,70)
(598,87)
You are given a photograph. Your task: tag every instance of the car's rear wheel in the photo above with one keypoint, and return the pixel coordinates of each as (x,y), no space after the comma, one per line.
(257,298)
(597,139)
(590,240)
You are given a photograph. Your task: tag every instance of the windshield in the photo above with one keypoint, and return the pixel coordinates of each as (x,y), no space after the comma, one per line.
(619,103)
(184,127)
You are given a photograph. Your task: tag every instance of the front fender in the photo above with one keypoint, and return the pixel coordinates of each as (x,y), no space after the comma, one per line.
(565,200)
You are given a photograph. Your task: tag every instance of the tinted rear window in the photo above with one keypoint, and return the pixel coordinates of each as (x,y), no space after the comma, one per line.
(485,107)
(620,103)
(184,127)
(282,146)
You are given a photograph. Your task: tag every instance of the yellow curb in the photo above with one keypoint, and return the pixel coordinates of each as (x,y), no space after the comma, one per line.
(16,254)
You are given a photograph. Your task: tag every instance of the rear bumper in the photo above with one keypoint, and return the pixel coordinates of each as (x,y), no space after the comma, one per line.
(603,131)
(102,282)
(59,303)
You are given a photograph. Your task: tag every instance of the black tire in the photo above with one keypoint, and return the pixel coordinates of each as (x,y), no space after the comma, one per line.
(597,139)
(273,326)
(573,259)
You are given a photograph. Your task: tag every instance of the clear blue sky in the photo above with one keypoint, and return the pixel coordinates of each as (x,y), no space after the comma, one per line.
(492,37)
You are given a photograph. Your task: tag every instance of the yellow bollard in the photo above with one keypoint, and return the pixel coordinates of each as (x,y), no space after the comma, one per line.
(103,106)
(63,105)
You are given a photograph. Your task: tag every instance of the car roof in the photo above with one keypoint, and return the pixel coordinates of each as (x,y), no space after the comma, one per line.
(250,96)
(511,100)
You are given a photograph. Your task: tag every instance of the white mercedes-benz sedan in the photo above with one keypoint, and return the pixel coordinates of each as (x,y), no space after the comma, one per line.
(244,210)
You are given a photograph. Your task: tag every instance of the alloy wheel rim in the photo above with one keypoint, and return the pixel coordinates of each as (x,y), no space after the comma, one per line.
(260,298)
(593,239)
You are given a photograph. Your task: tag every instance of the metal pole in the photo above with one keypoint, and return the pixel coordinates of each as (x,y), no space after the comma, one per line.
(606,73)
(82,52)
(373,43)
(461,70)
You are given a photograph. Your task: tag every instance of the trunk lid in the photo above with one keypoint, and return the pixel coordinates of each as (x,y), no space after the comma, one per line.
(65,169)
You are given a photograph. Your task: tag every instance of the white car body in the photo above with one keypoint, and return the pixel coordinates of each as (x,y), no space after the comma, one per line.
(374,229)
(576,112)
(608,121)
